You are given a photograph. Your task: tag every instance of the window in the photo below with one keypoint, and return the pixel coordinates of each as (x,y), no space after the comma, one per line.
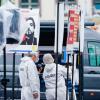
(70,2)
(34,0)
(97,4)
(98,54)
(94,53)
(46,33)
(92,57)
(25,1)
(28,3)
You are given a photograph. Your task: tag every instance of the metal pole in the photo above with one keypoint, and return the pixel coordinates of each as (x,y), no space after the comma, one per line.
(81,48)
(80,73)
(72,77)
(4,79)
(13,80)
(57,50)
(56,75)
(81,76)
(67,92)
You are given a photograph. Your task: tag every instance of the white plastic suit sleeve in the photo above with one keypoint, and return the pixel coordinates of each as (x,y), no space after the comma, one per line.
(64,71)
(33,77)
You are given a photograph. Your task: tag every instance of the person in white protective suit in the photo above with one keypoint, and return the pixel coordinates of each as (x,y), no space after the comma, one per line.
(29,78)
(49,76)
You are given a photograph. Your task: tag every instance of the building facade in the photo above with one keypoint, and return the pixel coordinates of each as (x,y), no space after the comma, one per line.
(47,7)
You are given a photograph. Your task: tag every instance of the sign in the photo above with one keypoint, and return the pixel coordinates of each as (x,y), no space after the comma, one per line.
(29,31)
(73,29)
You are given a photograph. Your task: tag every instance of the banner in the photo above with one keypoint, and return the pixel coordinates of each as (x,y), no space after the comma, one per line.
(73,29)
(29,31)
(60,28)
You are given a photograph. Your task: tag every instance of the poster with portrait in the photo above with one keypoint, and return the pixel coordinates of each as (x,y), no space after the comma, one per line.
(29,31)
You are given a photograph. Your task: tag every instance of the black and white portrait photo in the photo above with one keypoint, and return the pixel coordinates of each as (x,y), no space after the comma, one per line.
(29,26)
(29,38)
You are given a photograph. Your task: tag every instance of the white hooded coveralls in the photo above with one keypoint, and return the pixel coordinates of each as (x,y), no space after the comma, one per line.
(49,76)
(29,79)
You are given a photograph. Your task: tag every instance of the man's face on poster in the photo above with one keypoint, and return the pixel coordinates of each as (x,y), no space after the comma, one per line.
(30,25)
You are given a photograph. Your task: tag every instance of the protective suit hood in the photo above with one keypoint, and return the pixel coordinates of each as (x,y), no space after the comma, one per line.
(49,67)
(24,59)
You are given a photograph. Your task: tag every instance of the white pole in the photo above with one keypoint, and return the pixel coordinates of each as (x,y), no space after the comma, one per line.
(75,77)
(82,7)
(61,28)
(89,7)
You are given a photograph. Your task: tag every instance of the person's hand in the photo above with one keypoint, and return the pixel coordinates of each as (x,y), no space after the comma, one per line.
(35,95)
